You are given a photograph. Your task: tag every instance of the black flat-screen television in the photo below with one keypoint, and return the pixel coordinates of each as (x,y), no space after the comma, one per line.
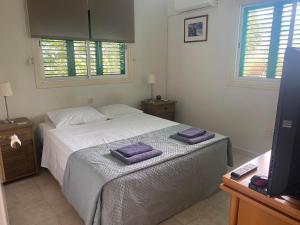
(284,172)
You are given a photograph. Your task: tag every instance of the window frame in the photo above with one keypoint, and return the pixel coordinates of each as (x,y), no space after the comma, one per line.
(68,81)
(252,81)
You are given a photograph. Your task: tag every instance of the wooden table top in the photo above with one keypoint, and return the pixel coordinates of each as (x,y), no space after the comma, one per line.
(287,205)
(158,102)
(18,123)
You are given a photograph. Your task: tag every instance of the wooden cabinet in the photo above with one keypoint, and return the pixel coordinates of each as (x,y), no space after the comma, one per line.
(249,214)
(19,162)
(249,207)
(159,108)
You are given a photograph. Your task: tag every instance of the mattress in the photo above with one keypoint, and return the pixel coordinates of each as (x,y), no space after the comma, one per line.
(60,143)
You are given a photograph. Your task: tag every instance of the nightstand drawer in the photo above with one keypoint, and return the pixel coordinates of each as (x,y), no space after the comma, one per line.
(168,108)
(11,155)
(18,162)
(167,116)
(20,171)
(159,108)
(24,134)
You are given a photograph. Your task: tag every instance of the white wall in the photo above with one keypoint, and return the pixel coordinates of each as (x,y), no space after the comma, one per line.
(149,52)
(198,75)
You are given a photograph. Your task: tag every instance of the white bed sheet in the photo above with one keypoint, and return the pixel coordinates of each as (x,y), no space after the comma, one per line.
(59,144)
(43,128)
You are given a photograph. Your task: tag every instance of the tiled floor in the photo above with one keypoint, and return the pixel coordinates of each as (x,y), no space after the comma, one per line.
(39,201)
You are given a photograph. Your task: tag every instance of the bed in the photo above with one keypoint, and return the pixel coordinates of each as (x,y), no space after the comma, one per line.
(144,195)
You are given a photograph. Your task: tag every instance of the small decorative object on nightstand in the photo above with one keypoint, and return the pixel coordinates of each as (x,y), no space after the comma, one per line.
(160,108)
(17,150)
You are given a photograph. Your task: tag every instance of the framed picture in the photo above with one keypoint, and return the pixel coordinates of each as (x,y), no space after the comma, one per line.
(195,29)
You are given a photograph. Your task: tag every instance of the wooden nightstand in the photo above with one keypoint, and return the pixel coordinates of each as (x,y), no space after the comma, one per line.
(159,108)
(20,162)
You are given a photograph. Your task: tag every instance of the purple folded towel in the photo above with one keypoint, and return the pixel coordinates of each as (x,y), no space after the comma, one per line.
(136,158)
(195,140)
(192,132)
(134,149)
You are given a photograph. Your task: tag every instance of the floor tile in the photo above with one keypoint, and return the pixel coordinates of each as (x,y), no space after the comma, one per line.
(70,218)
(53,221)
(22,193)
(44,179)
(39,212)
(17,217)
(59,204)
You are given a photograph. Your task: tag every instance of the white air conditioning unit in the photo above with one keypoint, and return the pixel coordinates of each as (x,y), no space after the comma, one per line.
(188,5)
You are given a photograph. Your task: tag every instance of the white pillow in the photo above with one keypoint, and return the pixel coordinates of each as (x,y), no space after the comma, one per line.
(75,116)
(118,110)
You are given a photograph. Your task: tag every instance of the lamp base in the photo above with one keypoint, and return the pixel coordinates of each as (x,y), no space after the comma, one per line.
(7,121)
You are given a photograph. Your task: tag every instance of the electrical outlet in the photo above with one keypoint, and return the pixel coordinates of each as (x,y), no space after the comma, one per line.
(90,101)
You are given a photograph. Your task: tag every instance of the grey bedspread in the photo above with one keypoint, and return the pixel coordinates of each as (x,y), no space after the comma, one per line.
(104,191)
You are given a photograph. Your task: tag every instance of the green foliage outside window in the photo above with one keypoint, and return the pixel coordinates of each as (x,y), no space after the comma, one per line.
(63,58)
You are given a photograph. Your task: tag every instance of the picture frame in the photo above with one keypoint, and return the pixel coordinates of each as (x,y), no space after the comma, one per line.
(196,29)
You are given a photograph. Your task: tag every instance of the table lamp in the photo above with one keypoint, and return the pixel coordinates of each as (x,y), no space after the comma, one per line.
(5,91)
(152,81)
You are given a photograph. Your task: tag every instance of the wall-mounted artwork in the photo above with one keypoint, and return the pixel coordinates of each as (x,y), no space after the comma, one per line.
(195,29)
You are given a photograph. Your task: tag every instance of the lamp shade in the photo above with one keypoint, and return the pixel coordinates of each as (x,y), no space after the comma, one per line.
(151,79)
(5,89)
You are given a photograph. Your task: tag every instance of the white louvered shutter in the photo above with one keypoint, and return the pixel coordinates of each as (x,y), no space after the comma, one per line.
(257,41)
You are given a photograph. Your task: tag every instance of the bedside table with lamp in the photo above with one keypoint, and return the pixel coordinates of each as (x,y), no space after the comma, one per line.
(17,149)
(159,107)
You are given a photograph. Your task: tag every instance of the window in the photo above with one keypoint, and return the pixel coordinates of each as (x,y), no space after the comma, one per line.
(69,58)
(60,63)
(266,33)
